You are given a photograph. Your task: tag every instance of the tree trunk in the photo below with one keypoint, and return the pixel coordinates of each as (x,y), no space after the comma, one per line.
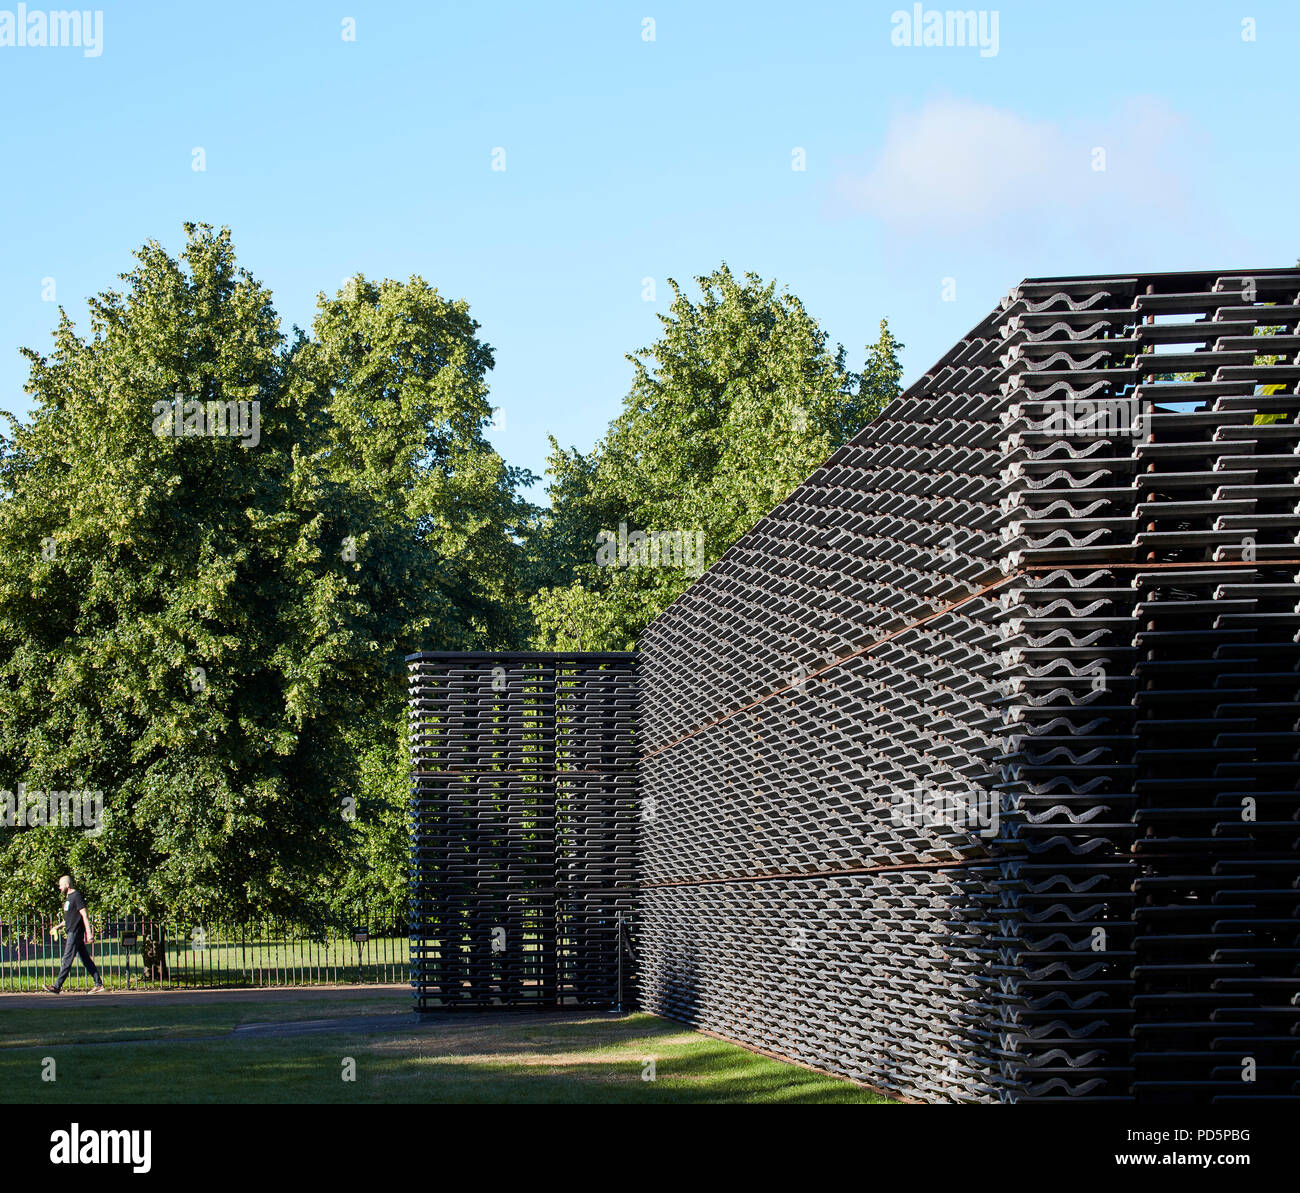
(153,952)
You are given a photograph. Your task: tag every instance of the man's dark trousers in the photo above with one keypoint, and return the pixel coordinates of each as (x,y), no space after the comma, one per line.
(76,947)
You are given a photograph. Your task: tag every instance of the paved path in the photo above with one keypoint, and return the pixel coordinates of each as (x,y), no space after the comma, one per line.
(402,1018)
(414,1021)
(360,1024)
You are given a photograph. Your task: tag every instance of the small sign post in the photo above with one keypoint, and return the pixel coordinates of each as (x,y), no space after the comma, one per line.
(360,935)
(129,941)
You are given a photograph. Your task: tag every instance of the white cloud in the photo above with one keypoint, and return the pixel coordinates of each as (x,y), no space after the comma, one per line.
(955,166)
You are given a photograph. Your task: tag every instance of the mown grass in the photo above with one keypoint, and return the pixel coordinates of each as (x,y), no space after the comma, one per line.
(145,1054)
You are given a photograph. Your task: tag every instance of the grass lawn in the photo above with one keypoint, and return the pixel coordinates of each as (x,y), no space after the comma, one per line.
(140,1051)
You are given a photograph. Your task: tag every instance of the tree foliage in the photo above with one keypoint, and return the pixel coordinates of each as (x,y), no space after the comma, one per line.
(218,541)
(209,629)
(739,399)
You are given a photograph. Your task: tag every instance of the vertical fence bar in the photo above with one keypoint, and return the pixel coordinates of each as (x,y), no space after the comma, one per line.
(211,954)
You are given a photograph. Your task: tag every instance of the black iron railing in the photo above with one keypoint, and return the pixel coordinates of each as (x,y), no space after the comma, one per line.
(142,952)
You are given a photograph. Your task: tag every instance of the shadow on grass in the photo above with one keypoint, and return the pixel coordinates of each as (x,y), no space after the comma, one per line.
(599,1065)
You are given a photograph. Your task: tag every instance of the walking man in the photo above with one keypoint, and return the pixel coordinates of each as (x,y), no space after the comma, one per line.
(77,925)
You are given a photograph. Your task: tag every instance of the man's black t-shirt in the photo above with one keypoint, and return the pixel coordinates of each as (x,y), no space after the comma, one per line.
(73,906)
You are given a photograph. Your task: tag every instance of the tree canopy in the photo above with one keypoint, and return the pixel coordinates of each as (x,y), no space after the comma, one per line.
(208,626)
(219,540)
(739,399)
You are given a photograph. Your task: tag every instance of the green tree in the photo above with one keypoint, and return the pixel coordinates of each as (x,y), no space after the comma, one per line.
(209,628)
(401,377)
(734,405)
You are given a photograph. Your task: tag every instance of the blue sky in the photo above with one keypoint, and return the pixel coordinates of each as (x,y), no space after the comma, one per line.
(629,158)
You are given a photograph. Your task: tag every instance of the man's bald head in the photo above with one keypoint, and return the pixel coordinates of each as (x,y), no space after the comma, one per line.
(65,883)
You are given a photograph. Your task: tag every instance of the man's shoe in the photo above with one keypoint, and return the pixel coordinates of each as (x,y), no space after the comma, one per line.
(97,989)
(51,989)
